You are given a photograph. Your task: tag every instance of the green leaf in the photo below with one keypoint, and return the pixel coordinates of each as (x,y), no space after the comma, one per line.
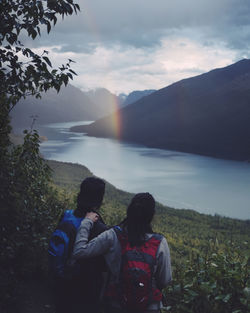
(227,298)
(72,72)
(192,293)
(48,27)
(246,292)
(47,60)
(77,6)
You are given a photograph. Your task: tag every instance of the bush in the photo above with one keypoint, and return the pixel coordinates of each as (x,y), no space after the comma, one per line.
(29,209)
(218,283)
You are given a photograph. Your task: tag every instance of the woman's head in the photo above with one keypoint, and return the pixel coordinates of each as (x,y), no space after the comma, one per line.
(140,213)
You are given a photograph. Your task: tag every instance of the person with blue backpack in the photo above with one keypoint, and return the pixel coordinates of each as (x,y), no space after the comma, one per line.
(82,282)
(137,258)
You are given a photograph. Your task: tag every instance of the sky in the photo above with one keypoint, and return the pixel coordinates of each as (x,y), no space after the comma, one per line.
(148,44)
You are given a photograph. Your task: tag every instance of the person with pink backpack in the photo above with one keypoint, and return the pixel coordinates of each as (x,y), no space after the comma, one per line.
(138,259)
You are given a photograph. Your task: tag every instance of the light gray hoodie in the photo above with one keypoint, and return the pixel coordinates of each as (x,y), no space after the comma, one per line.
(107,244)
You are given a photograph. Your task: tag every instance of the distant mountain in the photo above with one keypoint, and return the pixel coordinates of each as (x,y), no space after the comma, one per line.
(208,114)
(70,104)
(106,101)
(122,97)
(136,95)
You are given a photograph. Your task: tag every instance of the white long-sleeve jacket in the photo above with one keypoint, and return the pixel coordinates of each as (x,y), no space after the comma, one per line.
(107,244)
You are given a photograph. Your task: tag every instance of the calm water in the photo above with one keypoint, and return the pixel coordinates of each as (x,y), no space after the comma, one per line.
(180,180)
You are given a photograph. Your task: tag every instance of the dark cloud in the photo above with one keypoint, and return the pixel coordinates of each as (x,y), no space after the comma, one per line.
(140,23)
(113,39)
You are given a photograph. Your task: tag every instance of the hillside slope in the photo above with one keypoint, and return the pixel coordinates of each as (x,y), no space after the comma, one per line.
(208,114)
(182,227)
(197,243)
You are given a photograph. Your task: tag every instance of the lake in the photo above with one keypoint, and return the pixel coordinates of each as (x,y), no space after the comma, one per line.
(180,180)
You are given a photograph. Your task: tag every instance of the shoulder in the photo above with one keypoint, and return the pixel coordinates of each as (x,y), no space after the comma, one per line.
(108,234)
(158,236)
(155,237)
(113,234)
(98,228)
(159,242)
(162,240)
(107,238)
(68,222)
(163,248)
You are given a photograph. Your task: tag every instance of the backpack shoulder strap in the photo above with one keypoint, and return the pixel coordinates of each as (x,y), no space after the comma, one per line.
(157,236)
(119,233)
(152,244)
(117,229)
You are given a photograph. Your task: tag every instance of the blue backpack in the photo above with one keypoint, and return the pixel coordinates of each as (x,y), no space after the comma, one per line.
(61,244)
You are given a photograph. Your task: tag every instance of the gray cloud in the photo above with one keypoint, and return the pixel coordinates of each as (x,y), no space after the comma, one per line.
(113,39)
(143,23)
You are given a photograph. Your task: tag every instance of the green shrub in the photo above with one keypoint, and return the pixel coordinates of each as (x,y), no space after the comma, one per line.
(218,283)
(29,209)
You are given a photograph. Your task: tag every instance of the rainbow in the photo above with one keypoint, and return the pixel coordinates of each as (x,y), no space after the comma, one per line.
(116,124)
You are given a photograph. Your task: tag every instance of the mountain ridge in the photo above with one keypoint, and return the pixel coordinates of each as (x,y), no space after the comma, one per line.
(207,114)
(54,107)
(70,104)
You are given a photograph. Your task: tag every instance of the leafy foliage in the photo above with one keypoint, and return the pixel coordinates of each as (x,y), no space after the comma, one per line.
(22,71)
(29,210)
(218,282)
(29,207)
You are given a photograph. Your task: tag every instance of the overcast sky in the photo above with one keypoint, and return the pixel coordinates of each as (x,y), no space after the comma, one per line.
(148,44)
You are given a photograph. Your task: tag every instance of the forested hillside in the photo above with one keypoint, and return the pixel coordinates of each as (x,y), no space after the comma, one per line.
(186,230)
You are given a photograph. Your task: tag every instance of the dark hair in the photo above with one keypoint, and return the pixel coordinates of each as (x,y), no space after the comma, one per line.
(140,213)
(90,196)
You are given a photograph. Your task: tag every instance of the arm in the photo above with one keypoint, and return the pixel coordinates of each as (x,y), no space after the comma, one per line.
(163,273)
(97,246)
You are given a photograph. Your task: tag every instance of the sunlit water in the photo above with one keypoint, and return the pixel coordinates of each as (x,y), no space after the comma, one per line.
(180,180)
